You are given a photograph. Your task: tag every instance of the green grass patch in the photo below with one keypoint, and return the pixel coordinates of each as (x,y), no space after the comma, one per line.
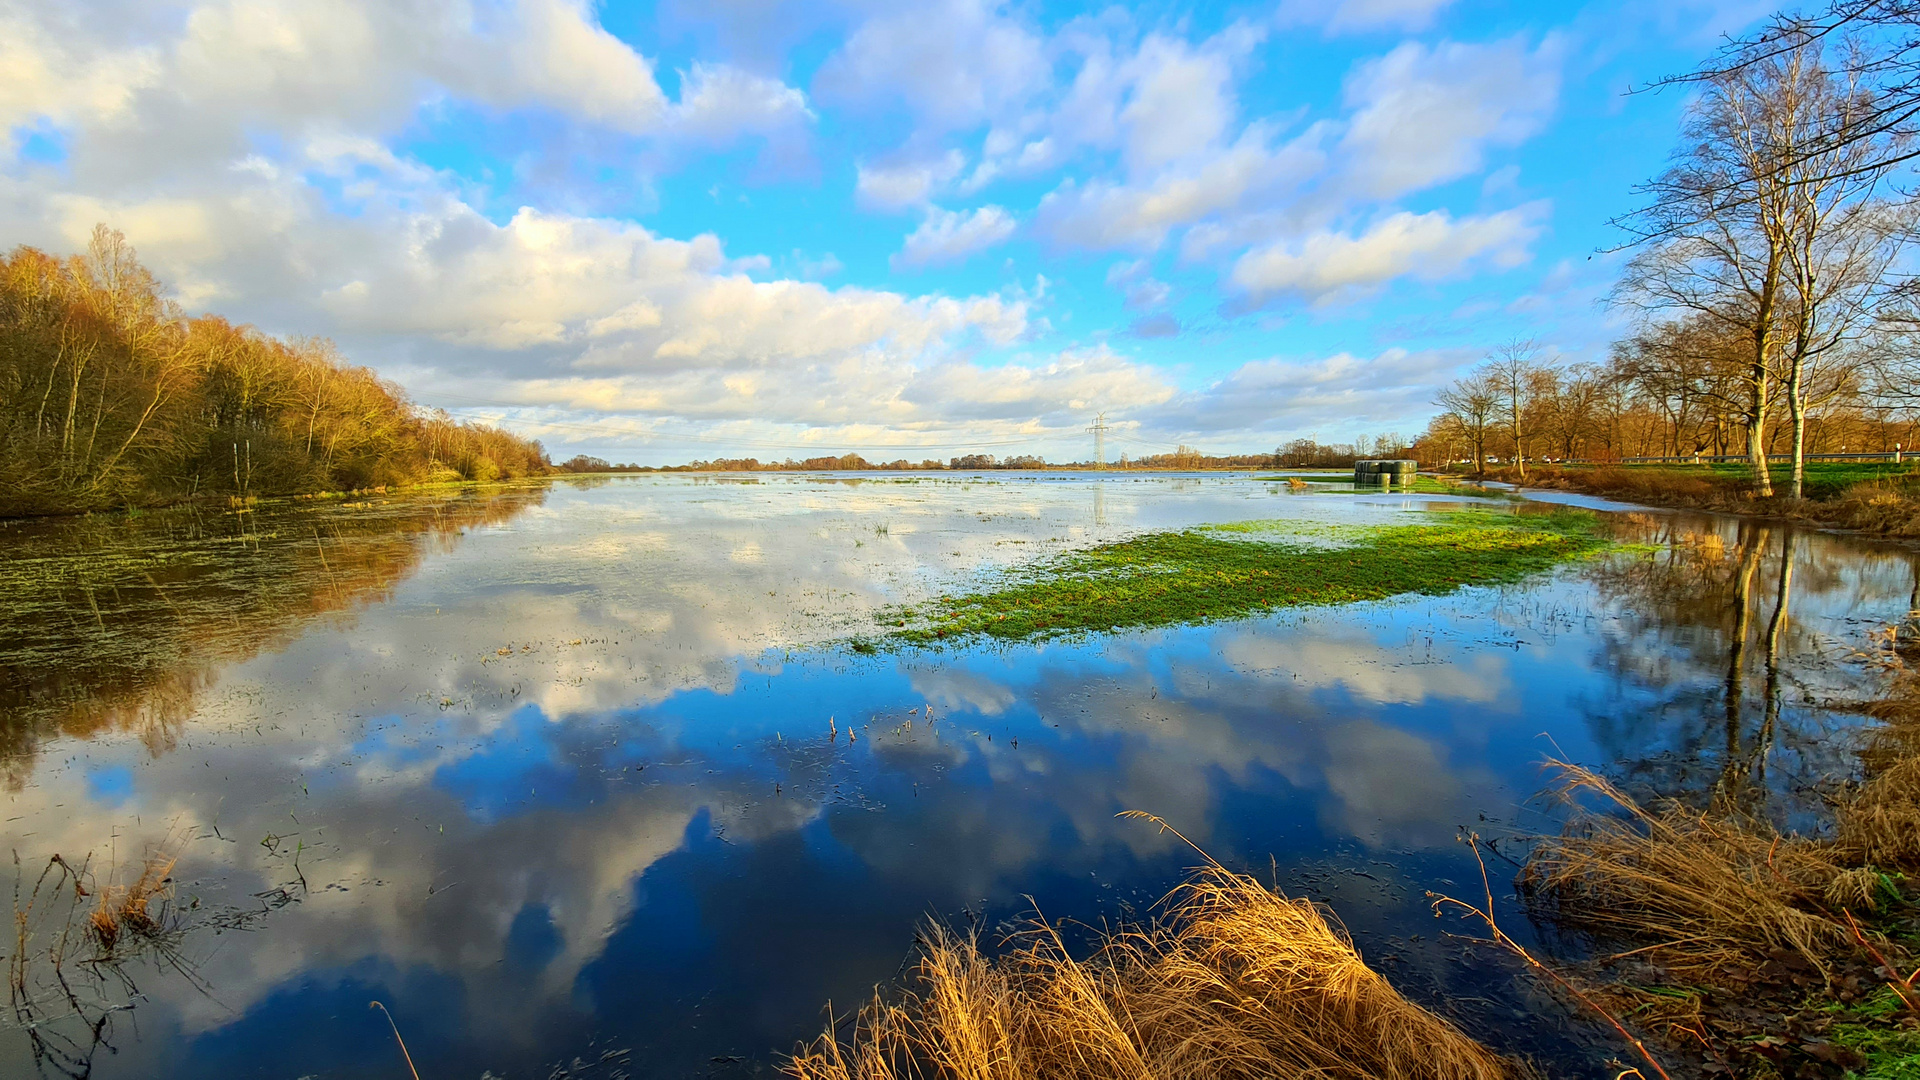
(1892,1054)
(1232,571)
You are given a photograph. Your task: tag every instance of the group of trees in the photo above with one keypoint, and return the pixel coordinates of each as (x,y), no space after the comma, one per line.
(1771,313)
(1665,392)
(1306,453)
(110,397)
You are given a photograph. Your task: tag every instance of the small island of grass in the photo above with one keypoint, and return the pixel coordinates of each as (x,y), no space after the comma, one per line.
(1232,571)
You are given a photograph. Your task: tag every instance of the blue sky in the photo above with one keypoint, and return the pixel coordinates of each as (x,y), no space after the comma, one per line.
(662,231)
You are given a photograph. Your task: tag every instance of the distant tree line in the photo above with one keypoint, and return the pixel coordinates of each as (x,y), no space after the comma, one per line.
(1297,454)
(1772,311)
(110,397)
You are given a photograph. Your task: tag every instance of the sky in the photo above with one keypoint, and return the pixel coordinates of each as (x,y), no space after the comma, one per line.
(690,229)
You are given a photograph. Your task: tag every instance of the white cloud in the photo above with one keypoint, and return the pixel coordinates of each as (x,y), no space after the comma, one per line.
(1327,266)
(1339,16)
(1181,101)
(953,235)
(1424,115)
(956,63)
(907,182)
(1325,395)
(1072,383)
(719,103)
(1104,215)
(560,55)
(47,78)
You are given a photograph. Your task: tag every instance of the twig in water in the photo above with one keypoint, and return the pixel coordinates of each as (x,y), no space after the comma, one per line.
(1500,938)
(397,1038)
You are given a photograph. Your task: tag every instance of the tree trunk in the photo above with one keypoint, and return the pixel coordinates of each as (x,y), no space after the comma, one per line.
(1797,408)
(1756,427)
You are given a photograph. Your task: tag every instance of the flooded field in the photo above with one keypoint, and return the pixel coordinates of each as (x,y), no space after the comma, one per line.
(608,778)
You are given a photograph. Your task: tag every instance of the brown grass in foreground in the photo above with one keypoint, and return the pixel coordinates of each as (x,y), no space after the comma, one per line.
(1235,981)
(1717,892)
(1716,896)
(1711,895)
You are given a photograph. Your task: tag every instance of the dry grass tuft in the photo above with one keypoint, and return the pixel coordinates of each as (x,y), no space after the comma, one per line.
(1715,896)
(122,910)
(1234,982)
(1880,824)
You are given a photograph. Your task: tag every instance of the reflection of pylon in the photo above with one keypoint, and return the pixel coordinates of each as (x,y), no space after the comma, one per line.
(1099,429)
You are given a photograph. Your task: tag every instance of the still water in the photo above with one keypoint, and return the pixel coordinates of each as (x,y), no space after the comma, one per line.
(561,774)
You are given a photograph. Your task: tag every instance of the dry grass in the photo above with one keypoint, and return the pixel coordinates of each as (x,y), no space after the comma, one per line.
(1710,896)
(1235,981)
(123,909)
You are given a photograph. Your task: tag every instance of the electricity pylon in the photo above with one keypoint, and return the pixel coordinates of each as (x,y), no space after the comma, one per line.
(1099,429)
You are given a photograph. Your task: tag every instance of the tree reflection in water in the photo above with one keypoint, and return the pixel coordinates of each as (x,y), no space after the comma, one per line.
(1722,698)
(120,624)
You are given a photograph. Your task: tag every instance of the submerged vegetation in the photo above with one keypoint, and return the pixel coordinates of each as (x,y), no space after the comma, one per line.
(110,397)
(119,624)
(1231,571)
(1235,981)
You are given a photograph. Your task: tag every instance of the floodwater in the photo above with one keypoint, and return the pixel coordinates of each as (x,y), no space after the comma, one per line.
(561,774)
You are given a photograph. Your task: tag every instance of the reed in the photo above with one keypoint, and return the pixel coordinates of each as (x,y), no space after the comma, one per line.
(1233,982)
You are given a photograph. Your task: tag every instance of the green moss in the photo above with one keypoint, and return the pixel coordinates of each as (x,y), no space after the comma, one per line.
(1891,1054)
(1212,573)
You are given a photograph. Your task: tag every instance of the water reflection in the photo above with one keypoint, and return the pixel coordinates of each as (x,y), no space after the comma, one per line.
(121,623)
(1735,658)
(580,782)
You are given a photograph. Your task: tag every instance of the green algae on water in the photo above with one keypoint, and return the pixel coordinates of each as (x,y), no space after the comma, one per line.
(1245,568)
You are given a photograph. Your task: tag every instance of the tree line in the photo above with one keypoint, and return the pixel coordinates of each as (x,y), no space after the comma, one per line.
(1298,453)
(111,397)
(1770,309)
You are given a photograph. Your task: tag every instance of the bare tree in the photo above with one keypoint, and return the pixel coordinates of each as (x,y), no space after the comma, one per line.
(1523,377)
(1474,403)
(1767,223)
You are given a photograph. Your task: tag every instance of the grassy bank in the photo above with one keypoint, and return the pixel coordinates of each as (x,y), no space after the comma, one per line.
(1232,571)
(1879,498)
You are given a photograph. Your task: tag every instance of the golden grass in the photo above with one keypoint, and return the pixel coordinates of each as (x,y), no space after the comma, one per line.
(1711,895)
(1235,981)
(122,909)
(1718,893)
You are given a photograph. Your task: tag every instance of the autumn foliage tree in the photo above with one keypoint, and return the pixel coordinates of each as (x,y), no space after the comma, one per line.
(110,396)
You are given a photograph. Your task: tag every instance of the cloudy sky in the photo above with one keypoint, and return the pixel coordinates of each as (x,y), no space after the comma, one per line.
(695,228)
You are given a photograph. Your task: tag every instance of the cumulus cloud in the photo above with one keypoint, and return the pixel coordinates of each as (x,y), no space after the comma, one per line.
(953,235)
(1327,266)
(719,103)
(956,63)
(1306,394)
(1108,215)
(249,148)
(1426,114)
